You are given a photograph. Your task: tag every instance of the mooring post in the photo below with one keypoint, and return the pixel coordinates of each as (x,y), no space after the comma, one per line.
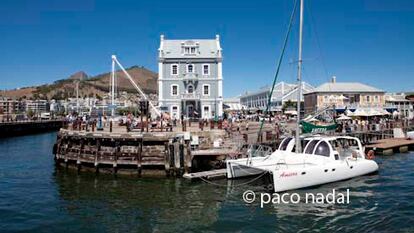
(176,158)
(167,158)
(116,155)
(78,162)
(187,157)
(139,160)
(98,148)
(182,157)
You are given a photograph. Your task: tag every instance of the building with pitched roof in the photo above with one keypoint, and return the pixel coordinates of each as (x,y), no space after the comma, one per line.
(190,79)
(282,93)
(402,103)
(343,95)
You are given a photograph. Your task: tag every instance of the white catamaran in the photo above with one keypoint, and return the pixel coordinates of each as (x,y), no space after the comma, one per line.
(325,159)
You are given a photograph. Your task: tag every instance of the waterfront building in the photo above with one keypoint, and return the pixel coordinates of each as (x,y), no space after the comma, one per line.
(9,108)
(190,80)
(401,103)
(282,93)
(37,106)
(233,104)
(342,96)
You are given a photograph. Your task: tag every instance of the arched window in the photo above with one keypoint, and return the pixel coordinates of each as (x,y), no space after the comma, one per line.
(322,149)
(190,89)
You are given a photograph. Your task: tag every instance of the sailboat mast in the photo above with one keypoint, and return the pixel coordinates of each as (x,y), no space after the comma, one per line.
(298,144)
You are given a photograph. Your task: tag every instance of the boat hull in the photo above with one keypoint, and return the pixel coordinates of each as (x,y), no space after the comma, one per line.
(306,176)
(238,169)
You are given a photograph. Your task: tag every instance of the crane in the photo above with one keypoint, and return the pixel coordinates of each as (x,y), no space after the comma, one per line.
(115,61)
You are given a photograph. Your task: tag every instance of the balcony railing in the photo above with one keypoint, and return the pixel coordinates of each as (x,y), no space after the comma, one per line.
(190,96)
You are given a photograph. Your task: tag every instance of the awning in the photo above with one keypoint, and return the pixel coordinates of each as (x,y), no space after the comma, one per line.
(343,118)
(291,112)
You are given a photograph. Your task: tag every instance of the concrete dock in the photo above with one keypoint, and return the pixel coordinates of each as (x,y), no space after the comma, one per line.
(16,128)
(390,146)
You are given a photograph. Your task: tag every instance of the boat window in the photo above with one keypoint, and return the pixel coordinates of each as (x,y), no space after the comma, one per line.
(311,146)
(322,149)
(304,143)
(285,143)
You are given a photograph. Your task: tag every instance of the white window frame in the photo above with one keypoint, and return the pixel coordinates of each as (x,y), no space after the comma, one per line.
(188,65)
(208,69)
(209,89)
(178,69)
(178,89)
(178,111)
(203,111)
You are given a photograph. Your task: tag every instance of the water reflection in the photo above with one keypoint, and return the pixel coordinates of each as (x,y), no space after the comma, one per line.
(34,197)
(117,204)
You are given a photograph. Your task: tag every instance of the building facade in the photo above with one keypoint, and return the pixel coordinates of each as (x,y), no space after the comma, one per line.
(190,79)
(401,103)
(10,106)
(282,93)
(37,106)
(342,96)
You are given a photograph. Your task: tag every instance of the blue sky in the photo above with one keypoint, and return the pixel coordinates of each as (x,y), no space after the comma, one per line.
(369,41)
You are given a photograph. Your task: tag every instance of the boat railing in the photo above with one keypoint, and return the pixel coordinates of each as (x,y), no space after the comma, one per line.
(255,150)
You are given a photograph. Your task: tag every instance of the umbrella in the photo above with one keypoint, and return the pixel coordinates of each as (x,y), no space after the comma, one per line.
(385,112)
(361,112)
(374,112)
(349,113)
(291,112)
(343,118)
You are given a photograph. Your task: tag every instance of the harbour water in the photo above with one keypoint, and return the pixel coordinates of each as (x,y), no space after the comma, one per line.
(37,197)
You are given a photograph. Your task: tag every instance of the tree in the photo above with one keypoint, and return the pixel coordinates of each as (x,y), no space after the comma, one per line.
(289,105)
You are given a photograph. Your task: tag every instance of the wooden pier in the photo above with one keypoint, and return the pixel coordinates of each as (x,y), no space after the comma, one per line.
(390,146)
(171,153)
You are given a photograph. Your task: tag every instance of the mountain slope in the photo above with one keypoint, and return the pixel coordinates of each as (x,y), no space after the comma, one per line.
(89,86)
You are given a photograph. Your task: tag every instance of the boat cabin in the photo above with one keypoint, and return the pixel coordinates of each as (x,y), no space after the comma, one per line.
(338,148)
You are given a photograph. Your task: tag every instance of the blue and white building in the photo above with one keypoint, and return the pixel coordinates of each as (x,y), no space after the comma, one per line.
(190,79)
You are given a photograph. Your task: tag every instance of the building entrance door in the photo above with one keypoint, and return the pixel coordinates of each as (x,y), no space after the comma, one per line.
(190,110)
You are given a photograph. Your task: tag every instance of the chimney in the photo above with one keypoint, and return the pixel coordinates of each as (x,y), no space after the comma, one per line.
(217,37)
(333,79)
(162,37)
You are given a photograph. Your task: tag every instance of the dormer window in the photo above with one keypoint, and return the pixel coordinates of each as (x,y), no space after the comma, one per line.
(189,47)
(190,50)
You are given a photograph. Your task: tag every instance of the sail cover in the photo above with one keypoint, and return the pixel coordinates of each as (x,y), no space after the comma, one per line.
(311,128)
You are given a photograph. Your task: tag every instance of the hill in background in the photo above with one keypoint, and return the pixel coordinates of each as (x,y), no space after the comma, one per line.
(89,86)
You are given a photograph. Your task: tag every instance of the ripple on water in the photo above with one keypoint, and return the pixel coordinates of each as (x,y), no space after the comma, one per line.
(36,197)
